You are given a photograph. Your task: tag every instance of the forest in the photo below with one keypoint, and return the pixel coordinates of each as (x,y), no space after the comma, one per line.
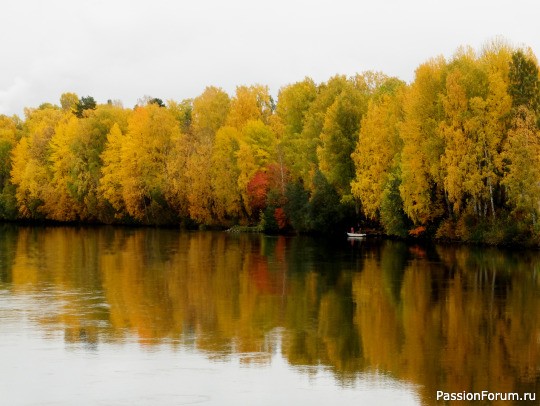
(453,155)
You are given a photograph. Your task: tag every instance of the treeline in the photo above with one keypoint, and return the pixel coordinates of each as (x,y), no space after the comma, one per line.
(455,154)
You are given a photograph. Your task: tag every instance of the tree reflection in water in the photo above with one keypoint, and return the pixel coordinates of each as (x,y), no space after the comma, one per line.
(449,318)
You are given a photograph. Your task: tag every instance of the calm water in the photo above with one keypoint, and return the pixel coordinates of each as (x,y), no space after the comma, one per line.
(114,316)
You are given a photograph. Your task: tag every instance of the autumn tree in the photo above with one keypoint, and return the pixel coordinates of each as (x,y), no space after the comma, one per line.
(183,112)
(313,125)
(294,102)
(69,101)
(521,147)
(340,126)
(224,173)
(376,154)
(8,140)
(338,139)
(250,103)
(59,202)
(420,189)
(210,111)
(110,187)
(30,172)
(144,155)
(209,114)
(522,165)
(488,124)
(257,151)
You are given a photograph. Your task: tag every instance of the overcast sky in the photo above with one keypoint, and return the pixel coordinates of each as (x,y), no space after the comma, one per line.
(126,49)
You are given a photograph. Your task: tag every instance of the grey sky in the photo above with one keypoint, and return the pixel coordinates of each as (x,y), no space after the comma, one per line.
(126,49)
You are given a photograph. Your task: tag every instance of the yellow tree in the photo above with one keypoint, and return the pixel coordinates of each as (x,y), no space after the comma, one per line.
(177,185)
(88,147)
(338,139)
(461,176)
(59,202)
(210,111)
(489,125)
(314,119)
(30,172)
(476,105)
(183,112)
(331,127)
(69,101)
(257,149)
(76,161)
(199,178)
(293,104)
(144,156)
(8,140)
(225,174)
(250,103)
(377,151)
(422,145)
(110,187)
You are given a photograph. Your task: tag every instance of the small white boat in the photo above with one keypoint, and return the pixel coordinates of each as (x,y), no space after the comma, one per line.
(356,235)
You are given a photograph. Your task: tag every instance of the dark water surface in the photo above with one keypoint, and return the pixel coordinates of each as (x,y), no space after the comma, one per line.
(116,316)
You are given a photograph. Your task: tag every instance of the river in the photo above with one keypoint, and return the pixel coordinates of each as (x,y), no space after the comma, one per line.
(135,316)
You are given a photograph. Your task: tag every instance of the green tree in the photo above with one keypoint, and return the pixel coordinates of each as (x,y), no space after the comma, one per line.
(313,126)
(392,216)
(338,139)
(294,102)
(524,84)
(85,103)
(158,101)
(85,153)
(183,112)
(521,156)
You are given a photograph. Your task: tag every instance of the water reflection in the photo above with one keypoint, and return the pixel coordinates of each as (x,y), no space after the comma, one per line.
(441,318)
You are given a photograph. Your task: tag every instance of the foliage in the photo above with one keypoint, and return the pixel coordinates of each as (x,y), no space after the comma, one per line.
(297,206)
(210,111)
(522,165)
(393,218)
(524,86)
(455,154)
(69,101)
(8,139)
(257,190)
(377,151)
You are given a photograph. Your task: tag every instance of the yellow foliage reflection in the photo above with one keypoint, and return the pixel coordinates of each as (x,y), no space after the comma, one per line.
(446,318)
